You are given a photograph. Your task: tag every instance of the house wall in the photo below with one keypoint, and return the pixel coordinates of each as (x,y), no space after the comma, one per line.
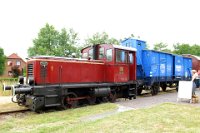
(9,64)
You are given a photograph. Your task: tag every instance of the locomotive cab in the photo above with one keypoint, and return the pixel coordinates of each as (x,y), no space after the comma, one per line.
(120,61)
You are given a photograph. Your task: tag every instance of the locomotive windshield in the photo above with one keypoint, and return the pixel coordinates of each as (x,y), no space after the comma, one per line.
(109,54)
(85,55)
(121,56)
(101,53)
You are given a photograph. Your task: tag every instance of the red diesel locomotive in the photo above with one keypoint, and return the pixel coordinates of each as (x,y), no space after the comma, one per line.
(105,72)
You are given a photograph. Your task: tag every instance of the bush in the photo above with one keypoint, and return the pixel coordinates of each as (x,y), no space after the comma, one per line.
(16,71)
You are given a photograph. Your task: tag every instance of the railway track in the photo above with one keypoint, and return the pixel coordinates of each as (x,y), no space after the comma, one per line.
(10,112)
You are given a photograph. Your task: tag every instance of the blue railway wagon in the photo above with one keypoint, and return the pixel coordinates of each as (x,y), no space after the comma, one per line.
(157,66)
(182,68)
(187,68)
(178,67)
(157,69)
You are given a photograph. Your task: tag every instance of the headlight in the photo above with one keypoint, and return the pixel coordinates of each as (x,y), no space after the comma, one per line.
(30,80)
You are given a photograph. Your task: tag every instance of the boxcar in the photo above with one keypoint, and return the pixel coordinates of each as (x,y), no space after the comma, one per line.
(157,69)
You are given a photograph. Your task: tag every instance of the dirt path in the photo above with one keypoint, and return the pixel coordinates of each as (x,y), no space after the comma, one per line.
(5,99)
(147,100)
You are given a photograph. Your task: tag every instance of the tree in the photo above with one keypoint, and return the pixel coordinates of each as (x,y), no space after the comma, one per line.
(15,71)
(161,47)
(182,48)
(195,50)
(51,42)
(100,38)
(2,61)
(68,41)
(187,49)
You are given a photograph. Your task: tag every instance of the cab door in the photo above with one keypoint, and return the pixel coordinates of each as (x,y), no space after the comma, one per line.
(132,66)
(121,67)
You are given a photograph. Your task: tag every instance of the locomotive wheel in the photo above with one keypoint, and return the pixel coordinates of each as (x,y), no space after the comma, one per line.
(112,98)
(91,100)
(69,101)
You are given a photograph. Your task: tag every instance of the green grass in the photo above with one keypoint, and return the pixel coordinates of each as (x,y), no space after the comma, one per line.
(53,121)
(7,82)
(166,117)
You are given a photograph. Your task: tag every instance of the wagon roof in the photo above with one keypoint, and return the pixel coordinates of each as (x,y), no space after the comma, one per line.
(197,57)
(124,48)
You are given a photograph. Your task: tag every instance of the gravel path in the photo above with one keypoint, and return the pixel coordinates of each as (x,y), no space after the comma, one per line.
(146,100)
(5,99)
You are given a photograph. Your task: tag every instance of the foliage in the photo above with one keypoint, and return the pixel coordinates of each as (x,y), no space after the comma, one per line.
(187,49)
(24,72)
(100,38)
(54,43)
(182,48)
(16,72)
(161,47)
(2,61)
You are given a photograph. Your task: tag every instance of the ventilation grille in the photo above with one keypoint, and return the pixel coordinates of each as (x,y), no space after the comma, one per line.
(30,69)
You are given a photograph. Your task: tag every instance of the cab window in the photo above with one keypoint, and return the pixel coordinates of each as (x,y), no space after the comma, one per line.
(131,58)
(101,53)
(90,53)
(121,56)
(85,55)
(109,55)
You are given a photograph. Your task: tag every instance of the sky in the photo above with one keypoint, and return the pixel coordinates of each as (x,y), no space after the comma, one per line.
(168,21)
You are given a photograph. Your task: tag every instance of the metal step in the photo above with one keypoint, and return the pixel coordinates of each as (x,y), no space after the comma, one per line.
(52,105)
(51,96)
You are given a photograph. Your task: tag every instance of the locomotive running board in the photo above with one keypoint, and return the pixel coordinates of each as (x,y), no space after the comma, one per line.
(85,85)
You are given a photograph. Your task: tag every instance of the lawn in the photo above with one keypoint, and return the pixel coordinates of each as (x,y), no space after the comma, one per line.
(7,82)
(167,117)
(53,121)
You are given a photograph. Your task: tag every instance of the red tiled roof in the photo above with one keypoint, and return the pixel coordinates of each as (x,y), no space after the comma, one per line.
(14,56)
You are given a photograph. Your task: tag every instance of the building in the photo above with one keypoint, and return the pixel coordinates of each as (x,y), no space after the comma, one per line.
(13,61)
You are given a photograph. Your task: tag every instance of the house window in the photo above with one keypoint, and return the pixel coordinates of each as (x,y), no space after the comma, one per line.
(9,63)
(18,63)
